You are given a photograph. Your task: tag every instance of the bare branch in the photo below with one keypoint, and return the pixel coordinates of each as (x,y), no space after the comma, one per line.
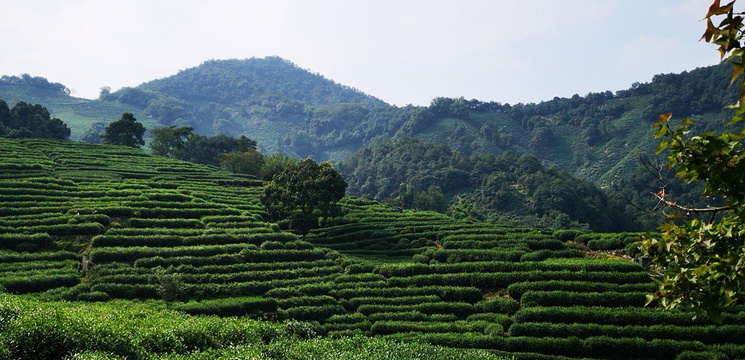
(662,195)
(687,209)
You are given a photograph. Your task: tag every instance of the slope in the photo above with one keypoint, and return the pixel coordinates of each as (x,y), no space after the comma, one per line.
(95,223)
(598,137)
(79,114)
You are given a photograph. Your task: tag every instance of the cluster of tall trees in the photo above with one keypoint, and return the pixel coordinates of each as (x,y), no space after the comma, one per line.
(25,120)
(37,82)
(238,154)
(433,176)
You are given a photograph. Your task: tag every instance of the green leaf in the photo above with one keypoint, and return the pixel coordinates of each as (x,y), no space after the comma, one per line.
(662,146)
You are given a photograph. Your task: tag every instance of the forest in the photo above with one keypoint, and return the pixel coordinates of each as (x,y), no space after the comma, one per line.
(503,188)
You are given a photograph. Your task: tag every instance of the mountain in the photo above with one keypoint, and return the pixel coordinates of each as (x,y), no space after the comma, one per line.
(271,100)
(598,137)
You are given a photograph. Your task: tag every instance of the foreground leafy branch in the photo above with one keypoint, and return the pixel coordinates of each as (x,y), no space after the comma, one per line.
(703,262)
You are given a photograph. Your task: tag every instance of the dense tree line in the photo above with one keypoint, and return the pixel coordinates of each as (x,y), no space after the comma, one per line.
(37,82)
(25,120)
(431,175)
(182,143)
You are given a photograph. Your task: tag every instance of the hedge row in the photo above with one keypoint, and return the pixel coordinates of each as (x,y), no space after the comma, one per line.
(608,241)
(395,327)
(498,305)
(354,303)
(618,316)
(190,260)
(516,290)
(252,288)
(165,213)
(312,313)
(228,306)
(243,267)
(592,347)
(411,315)
(500,280)
(38,283)
(54,219)
(459,309)
(166,240)
(541,255)
(130,254)
(45,256)
(37,265)
(167,223)
(568,298)
(296,291)
(410,269)
(11,241)
(708,334)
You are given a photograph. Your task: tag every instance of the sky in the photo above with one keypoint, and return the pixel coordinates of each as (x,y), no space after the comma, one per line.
(403,52)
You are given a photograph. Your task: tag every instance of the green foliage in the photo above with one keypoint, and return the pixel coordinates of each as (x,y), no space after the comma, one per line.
(275,164)
(170,284)
(169,141)
(247,162)
(703,257)
(415,174)
(206,150)
(150,227)
(126,131)
(304,192)
(25,120)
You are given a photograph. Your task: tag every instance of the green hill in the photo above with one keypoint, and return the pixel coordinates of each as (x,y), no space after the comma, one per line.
(596,137)
(79,114)
(94,223)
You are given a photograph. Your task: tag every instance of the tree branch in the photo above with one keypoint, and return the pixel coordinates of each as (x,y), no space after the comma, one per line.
(662,195)
(687,209)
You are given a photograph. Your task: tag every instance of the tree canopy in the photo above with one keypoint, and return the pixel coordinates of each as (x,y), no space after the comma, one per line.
(512,187)
(304,192)
(170,140)
(25,120)
(701,250)
(126,131)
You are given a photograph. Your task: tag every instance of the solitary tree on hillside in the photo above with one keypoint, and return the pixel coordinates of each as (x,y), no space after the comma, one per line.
(303,193)
(125,131)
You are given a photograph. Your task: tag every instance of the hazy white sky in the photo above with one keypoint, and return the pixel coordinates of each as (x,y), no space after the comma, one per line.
(404,52)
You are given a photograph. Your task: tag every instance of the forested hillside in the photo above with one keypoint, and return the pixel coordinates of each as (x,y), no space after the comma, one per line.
(595,137)
(505,187)
(598,137)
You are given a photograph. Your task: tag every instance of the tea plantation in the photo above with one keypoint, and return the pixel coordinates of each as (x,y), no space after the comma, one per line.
(108,252)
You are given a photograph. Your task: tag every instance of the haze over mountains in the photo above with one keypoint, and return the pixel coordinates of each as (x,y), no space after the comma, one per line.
(597,137)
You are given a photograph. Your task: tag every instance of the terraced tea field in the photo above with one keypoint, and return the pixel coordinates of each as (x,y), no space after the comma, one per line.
(94,223)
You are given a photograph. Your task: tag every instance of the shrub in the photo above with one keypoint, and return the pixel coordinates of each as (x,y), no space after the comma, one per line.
(568,298)
(497,305)
(566,235)
(228,306)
